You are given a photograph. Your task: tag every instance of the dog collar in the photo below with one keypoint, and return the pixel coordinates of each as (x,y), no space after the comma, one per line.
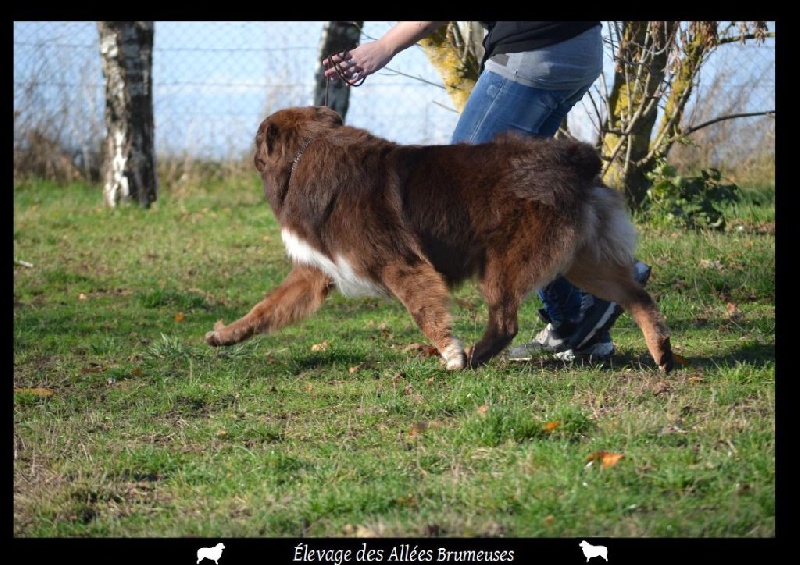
(296,159)
(300,154)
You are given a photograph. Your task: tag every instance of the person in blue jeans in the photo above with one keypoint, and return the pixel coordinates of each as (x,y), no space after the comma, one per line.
(532,74)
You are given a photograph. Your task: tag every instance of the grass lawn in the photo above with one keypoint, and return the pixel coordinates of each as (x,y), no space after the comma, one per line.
(126,424)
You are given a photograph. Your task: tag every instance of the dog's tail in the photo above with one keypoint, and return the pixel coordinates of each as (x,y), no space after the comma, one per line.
(607,227)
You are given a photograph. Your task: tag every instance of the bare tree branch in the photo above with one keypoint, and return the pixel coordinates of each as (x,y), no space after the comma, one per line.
(693,129)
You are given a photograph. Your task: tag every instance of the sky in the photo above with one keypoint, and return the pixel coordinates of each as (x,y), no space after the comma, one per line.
(215,81)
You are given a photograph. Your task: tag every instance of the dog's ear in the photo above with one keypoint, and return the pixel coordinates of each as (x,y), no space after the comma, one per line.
(266,139)
(328,116)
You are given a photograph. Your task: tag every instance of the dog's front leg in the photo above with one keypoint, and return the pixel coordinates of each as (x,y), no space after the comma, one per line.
(425,295)
(503,300)
(298,296)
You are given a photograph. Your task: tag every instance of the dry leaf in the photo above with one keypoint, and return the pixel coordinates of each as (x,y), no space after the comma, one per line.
(708,264)
(418,428)
(550,426)
(358,531)
(660,388)
(320,346)
(734,312)
(422,348)
(179,317)
(46,392)
(611,459)
(606,458)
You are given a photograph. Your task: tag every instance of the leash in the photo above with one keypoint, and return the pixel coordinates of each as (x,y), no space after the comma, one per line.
(340,71)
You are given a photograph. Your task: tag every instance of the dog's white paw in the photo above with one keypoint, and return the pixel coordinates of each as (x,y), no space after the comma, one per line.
(454,356)
(212,339)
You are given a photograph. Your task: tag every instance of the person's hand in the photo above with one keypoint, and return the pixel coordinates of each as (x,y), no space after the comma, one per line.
(357,64)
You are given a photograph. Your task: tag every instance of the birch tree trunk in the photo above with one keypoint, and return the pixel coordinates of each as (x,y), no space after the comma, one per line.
(129,162)
(336,37)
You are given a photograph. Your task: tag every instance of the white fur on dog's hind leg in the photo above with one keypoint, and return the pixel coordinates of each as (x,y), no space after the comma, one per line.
(454,356)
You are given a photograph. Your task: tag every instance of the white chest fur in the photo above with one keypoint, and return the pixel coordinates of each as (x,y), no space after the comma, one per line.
(339,269)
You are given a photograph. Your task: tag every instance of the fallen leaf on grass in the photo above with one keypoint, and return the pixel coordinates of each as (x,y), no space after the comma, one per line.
(179,317)
(46,392)
(365,366)
(422,426)
(409,500)
(358,531)
(422,348)
(708,264)
(320,346)
(549,427)
(606,458)
(418,428)
(733,311)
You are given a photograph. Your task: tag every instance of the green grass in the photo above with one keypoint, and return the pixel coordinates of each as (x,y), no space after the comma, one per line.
(126,424)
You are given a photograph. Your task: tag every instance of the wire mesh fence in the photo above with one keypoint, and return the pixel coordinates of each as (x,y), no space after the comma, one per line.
(213,83)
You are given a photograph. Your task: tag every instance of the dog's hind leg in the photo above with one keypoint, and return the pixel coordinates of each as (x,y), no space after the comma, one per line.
(300,294)
(617,284)
(423,292)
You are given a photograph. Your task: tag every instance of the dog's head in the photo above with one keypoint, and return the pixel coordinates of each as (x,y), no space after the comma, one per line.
(285,133)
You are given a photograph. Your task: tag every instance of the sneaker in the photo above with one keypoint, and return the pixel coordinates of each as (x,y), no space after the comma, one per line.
(591,337)
(601,347)
(597,315)
(552,339)
(549,341)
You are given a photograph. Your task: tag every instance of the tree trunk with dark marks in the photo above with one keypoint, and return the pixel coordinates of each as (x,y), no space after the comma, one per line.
(129,161)
(336,37)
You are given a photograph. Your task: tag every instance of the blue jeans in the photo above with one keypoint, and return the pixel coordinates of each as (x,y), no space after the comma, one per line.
(496,105)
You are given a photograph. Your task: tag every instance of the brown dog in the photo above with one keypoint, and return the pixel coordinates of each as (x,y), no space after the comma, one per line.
(368,216)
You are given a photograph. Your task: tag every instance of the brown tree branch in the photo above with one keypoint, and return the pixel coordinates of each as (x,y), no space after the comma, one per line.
(693,129)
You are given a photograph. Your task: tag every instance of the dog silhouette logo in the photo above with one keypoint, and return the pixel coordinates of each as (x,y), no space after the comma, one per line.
(590,550)
(210,553)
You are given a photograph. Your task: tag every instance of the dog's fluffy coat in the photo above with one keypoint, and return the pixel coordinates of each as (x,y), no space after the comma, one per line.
(366,215)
